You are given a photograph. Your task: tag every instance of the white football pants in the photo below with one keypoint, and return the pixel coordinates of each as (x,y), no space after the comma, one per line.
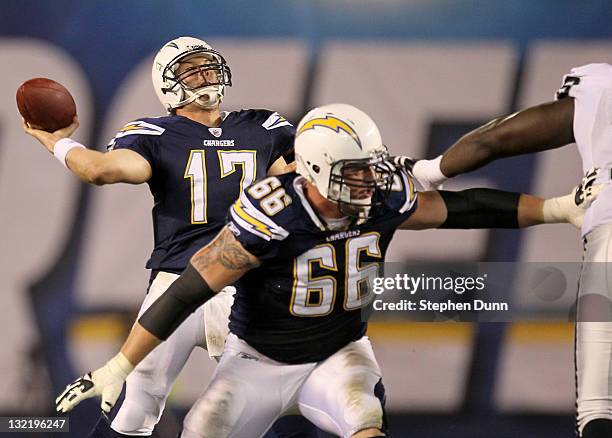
(148,386)
(594,330)
(249,391)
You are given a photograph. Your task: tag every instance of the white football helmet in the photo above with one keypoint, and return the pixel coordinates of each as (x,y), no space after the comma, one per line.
(171,88)
(338,148)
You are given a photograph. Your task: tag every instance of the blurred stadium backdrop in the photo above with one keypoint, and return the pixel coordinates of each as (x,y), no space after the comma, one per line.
(426,70)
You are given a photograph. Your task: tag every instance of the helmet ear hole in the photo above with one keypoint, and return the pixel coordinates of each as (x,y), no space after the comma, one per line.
(316,168)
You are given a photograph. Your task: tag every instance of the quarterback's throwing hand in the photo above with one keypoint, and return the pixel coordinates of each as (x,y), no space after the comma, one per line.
(106,382)
(48,139)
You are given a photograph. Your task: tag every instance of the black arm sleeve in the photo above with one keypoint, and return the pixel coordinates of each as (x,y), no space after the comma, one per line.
(481,208)
(180,300)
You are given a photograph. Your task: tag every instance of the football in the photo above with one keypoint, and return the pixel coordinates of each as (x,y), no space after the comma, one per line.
(45,104)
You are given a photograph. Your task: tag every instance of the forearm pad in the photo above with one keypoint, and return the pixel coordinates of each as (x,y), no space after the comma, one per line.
(180,300)
(481,208)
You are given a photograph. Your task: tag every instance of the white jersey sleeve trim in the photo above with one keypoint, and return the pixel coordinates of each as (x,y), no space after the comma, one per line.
(409,192)
(137,127)
(297,185)
(247,226)
(251,219)
(275,121)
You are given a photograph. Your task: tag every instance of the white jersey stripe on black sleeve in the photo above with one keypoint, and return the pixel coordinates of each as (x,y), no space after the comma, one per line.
(409,191)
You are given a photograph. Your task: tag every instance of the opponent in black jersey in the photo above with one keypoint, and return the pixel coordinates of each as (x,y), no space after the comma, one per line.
(304,249)
(196,161)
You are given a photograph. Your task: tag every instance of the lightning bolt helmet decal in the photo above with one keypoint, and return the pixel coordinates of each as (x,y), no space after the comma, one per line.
(333,123)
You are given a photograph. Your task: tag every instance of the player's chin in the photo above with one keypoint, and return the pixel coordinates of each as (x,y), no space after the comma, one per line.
(355,211)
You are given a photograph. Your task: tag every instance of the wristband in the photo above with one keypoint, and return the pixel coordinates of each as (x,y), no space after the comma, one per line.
(181,299)
(555,210)
(62,147)
(120,366)
(480,208)
(429,172)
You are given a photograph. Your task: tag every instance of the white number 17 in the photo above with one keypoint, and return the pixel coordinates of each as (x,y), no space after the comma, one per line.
(228,162)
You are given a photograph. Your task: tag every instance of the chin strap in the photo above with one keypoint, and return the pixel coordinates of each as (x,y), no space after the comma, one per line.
(194,97)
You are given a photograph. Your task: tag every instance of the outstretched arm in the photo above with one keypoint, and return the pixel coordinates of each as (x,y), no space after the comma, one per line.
(220,263)
(475,208)
(92,166)
(538,128)
(490,208)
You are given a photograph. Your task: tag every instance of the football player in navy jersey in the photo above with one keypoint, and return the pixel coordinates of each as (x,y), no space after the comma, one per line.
(303,250)
(196,161)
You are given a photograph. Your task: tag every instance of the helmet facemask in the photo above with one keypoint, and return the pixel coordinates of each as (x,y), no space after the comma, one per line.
(358,185)
(203,83)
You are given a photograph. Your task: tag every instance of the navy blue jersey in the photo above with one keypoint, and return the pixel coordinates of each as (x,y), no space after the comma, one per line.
(198,173)
(305,301)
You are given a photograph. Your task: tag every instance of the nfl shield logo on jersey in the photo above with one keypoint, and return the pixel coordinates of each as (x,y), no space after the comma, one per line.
(216,131)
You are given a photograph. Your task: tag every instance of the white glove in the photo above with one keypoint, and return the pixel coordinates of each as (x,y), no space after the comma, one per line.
(571,208)
(403,161)
(429,174)
(106,381)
